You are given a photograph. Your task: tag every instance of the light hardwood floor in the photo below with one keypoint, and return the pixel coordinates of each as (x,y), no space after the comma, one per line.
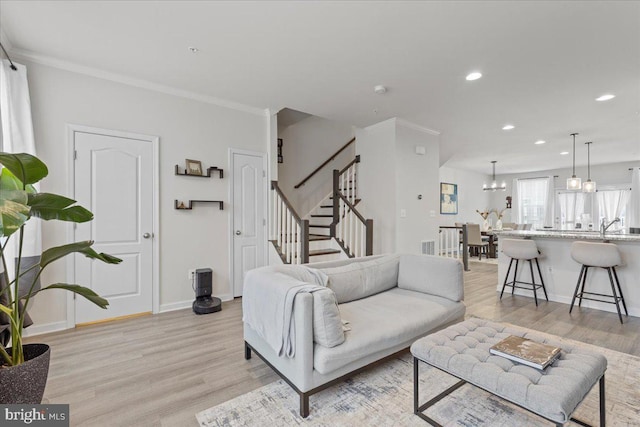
(162,369)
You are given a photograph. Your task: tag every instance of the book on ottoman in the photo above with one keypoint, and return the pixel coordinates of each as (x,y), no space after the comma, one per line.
(527,352)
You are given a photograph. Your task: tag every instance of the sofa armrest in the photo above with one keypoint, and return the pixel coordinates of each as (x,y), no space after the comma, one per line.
(432,275)
(298,370)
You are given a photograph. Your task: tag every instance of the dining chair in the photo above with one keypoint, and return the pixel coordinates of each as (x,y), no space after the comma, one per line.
(475,241)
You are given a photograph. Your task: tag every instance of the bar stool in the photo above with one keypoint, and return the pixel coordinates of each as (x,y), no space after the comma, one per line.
(603,255)
(525,250)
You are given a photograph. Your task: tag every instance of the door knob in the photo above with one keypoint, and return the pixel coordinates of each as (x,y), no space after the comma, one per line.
(238,232)
(146,235)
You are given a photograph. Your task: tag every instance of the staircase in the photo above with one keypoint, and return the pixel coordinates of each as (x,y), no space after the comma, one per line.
(334,229)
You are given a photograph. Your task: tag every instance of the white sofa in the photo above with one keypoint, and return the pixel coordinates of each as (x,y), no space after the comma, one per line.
(389,301)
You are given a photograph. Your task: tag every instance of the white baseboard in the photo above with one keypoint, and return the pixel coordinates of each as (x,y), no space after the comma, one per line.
(172,306)
(45,328)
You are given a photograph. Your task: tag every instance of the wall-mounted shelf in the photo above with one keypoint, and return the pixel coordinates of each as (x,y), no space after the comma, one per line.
(190,203)
(208,175)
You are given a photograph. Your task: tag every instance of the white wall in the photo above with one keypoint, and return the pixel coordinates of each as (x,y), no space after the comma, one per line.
(604,175)
(377,182)
(306,145)
(392,176)
(416,175)
(187,129)
(471,197)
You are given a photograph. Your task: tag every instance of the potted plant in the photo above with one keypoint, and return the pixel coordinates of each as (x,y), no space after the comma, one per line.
(24,368)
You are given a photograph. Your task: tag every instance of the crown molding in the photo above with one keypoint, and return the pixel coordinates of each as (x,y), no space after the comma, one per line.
(130,81)
(411,125)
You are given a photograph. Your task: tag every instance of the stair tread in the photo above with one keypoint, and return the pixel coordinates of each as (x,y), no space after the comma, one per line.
(318,238)
(324,252)
(319,226)
(321,216)
(326,206)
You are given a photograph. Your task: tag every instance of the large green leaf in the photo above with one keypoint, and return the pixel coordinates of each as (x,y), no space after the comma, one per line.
(55,253)
(27,168)
(8,181)
(14,211)
(80,290)
(52,206)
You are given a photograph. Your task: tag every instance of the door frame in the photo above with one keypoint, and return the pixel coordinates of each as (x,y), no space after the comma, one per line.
(71,129)
(265,197)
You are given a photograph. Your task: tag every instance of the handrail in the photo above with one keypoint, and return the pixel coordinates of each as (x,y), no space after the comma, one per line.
(350,206)
(351,163)
(326,162)
(274,186)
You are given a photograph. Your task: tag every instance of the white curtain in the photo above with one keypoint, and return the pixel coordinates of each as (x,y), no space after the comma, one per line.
(549,205)
(633,211)
(571,205)
(17,137)
(612,203)
(532,201)
(515,205)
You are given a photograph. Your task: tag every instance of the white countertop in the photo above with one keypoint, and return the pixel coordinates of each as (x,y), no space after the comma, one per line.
(613,236)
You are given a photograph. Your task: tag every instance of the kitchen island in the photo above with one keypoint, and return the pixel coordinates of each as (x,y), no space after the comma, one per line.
(560,271)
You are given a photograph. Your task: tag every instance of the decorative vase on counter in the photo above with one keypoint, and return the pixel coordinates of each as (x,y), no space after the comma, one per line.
(498,224)
(485,225)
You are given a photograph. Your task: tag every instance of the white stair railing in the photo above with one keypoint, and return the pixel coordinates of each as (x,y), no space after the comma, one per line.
(287,231)
(351,230)
(453,243)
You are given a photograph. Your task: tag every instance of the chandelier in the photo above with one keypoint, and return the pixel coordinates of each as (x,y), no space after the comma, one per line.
(494,184)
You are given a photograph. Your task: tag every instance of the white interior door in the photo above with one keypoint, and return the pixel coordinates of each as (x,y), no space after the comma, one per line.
(248,216)
(113,178)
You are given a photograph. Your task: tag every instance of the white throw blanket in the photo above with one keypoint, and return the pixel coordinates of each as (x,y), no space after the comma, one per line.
(267,304)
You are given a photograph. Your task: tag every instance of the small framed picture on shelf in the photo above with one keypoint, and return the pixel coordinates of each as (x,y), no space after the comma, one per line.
(193,167)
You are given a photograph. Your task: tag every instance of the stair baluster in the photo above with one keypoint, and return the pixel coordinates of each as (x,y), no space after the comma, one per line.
(289,233)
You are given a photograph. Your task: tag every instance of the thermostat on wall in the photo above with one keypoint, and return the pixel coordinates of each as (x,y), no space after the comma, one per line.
(421,150)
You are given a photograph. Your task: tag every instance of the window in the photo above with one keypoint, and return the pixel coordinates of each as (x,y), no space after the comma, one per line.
(532,201)
(613,204)
(589,208)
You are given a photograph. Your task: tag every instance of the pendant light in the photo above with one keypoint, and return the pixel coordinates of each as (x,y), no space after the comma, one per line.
(574,183)
(494,184)
(589,186)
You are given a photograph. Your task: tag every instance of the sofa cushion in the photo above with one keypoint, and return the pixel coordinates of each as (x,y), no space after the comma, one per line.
(432,275)
(362,279)
(384,321)
(327,324)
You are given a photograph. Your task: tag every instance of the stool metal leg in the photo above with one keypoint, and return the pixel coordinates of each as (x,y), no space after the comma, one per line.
(515,277)
(542,280)
(584,280)
(615,294)
(620,290)
(504,285)
(533,283)
(575,293)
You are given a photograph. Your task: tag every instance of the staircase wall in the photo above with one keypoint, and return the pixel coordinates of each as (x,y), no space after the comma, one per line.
(306,144)
(392,176)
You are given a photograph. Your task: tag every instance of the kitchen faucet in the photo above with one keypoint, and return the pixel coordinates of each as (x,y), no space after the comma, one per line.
(604,228)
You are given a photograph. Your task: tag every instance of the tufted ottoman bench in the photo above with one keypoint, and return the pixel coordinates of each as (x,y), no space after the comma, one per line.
(462,350)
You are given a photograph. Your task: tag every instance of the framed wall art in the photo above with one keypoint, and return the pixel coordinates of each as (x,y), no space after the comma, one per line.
(448,198)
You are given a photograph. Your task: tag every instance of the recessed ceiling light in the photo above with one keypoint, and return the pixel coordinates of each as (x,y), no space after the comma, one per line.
(564,153)
(539,142)
(605,97)
(474,76)
(508,127)
(379,89)
(193,49)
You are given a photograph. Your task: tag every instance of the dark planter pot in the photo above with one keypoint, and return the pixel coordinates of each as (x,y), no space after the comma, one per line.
(25,383)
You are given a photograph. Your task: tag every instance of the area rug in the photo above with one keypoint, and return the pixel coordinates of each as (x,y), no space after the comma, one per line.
(383,396)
